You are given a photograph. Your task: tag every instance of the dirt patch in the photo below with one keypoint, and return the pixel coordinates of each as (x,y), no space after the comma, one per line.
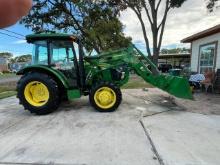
(156,97)
(204,103)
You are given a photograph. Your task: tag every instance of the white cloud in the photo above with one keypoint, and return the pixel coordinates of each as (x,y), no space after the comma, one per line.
(191,18)
(20,42)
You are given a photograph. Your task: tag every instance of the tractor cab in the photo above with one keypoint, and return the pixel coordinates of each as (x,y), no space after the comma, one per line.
(60,52)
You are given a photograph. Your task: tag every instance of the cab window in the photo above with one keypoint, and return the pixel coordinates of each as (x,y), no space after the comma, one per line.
(40,54)
(62,54)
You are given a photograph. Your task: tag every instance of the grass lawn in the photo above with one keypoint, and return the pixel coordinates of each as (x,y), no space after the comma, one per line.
(4,88)
(136,82)
(7,75)
(7,90)
(7,94)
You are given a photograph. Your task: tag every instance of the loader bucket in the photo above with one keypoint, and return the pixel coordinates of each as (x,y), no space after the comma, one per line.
(177,86)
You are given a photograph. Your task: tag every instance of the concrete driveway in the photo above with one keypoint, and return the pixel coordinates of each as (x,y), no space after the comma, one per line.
(148,129)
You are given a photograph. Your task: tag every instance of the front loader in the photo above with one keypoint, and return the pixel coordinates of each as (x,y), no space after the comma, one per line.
(61,71)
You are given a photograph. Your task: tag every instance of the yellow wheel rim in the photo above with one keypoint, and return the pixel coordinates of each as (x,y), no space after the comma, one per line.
(105,98)
(36,93)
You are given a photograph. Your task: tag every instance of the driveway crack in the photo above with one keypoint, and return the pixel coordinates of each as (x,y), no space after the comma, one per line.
(154,149)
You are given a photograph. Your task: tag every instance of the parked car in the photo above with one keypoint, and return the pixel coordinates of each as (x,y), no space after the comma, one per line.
(164,68)
(175,72)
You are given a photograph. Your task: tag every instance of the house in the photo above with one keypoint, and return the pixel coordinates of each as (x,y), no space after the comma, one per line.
(205,48)
(3,64)
(177,60)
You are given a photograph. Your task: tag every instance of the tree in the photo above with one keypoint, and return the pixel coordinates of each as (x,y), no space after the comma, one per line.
(6,55)
(153,10)
(211,4)
(23,58)
(95,22)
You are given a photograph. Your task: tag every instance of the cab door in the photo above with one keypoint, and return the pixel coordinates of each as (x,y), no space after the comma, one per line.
(64,58)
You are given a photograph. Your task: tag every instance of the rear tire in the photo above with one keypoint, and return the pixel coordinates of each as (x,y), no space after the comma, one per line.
(105,97)
(38,93)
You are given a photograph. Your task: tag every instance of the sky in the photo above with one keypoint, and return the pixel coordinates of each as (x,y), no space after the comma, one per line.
(191,18)
(16,46)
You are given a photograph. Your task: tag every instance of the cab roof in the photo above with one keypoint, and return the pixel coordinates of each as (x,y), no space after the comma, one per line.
(50,36)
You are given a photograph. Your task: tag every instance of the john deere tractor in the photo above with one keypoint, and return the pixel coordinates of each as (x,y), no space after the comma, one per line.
(60,70)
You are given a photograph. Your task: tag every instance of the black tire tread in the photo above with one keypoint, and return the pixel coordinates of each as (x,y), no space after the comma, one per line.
(52,104)
(107,84)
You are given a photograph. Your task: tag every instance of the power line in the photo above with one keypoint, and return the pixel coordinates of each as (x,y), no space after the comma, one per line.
(12,32)
(12,36)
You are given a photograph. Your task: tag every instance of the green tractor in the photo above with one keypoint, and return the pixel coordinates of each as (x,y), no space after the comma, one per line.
(60,70)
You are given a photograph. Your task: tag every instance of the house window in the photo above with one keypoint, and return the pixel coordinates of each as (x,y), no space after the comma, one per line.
(207,57)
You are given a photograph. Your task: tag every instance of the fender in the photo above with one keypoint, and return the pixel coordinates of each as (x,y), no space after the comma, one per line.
(48,70)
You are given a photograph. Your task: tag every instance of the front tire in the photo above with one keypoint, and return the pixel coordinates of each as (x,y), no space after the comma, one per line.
(105,97)
(38,93)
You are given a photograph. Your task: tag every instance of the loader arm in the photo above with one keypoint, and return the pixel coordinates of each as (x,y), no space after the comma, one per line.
(145,68)
(133,59)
